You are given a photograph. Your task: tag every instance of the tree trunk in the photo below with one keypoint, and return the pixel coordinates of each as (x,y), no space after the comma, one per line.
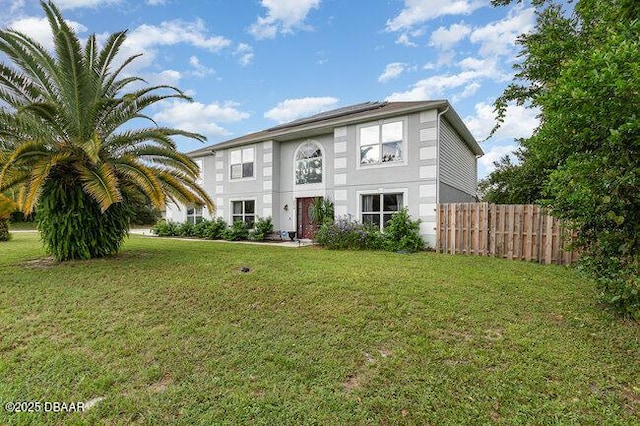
(72,226)
(4,229)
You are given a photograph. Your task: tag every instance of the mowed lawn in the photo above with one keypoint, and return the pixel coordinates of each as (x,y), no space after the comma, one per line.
(174,332)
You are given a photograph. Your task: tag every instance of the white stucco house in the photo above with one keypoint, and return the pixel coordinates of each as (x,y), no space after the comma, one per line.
(370,159)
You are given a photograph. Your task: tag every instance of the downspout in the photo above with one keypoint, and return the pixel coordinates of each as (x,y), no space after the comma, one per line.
(438,153)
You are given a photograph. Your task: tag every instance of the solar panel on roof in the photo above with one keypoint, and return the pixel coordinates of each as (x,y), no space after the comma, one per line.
(352,109)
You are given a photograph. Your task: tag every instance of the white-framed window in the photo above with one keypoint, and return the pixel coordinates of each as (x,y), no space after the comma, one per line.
(194,214)
(382,143)
(377,209)
(243,211)
(242,163)
(308,164)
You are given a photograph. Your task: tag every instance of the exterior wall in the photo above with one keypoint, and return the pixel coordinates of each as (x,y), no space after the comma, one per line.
(449,194)
(344,180)
(287,191)
(458,164)
(227,190)
(415,178)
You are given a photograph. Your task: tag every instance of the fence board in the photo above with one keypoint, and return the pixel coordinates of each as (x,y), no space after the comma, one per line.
(510,231)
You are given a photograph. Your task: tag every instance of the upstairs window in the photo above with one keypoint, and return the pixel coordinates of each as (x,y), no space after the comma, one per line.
(381,143)
(242,163)
(377,209)
(308,164)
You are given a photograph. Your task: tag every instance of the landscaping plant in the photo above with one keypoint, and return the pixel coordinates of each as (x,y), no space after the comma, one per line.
(261,228)
(402,233)
(7,206)
(67,144)
(580,70)
(236,232)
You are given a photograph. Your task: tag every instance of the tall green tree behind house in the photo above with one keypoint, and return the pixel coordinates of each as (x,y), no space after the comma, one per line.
(70,151)
(583,72)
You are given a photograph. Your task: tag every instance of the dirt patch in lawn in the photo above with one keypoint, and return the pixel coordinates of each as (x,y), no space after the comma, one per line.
(161,385)
(42,263)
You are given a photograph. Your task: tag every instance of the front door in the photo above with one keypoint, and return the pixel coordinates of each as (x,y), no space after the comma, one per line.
(306,227)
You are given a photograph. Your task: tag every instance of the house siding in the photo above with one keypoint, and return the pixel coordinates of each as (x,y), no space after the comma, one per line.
(458,165)
(422,178)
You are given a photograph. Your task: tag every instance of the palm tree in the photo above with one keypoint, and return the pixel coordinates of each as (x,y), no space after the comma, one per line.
(70,150)
(7,206)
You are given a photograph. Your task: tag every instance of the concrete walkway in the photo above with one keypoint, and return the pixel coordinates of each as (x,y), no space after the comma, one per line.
(146,232)
(283,243)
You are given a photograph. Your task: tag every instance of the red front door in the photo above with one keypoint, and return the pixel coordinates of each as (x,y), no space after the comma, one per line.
(306,227)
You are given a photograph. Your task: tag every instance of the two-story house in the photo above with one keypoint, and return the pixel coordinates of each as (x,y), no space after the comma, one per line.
(370,159)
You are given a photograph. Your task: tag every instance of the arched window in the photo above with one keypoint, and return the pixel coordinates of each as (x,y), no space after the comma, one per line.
(309,164)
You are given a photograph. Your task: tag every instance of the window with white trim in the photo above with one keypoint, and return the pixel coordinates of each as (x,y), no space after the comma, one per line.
(194,214)
(308,164)
(377,209)
(381,143)
(243,211)
(242,163)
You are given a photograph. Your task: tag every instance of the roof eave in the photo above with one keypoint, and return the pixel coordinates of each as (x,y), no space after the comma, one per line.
(292,133)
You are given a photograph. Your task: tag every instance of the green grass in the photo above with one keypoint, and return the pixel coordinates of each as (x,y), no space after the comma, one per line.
(22,226)
(173,332)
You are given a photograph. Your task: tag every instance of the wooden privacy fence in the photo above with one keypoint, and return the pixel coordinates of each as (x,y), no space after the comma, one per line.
(510,231)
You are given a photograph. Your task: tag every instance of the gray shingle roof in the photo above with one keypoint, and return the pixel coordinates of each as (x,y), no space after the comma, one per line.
(325,121)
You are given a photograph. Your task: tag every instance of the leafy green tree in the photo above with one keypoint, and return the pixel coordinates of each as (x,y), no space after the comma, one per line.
(583,72)
(68,146)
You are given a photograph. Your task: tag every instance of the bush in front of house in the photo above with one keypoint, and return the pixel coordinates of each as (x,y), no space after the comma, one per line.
(164,228)
(210,229)
(348,234)
(401,233)
(236,232)
(185,229)
(261,228)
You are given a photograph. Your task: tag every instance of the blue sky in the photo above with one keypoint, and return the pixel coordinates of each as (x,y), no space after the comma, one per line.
(251,64)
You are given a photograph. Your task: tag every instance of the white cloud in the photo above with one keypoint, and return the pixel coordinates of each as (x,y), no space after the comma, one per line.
(473,72)
(404,40)
(446,38)
(499,37)
(199,70)
(156,2)
(16,7)
(167,77)
(391,71)
(74,4)
(283,16)
(416,12)
(145,38)
(438,85)
(245,54)
(469,90)
(494,153)
(169,33)
(201,118)
(520,122)
(39,29)
(291,109)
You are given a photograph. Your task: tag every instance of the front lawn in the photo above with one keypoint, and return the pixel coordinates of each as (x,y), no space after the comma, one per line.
(174,332)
